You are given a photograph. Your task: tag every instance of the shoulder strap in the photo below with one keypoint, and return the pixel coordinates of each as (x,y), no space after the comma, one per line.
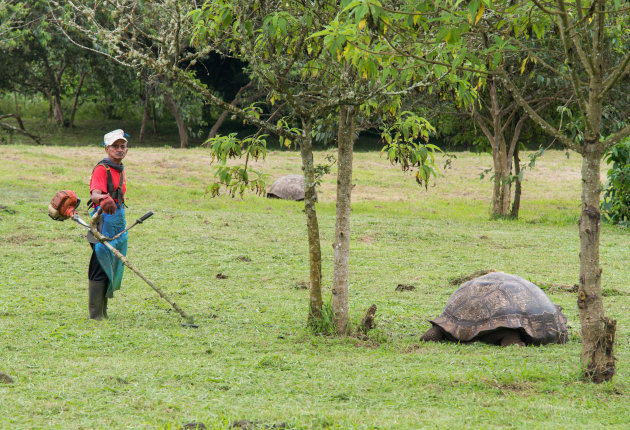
(116,194)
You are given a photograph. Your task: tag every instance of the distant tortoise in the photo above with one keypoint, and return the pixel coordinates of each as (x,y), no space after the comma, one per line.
(501,309)
(289,187)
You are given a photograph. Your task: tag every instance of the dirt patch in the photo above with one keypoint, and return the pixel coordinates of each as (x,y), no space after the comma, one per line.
(405,287)
(193,426)
(367,239)
(505,387)
(251,425)
(413,349)
(566,288)
(301,285)
(19,238)
(5,379)
(557,288)
(465,278)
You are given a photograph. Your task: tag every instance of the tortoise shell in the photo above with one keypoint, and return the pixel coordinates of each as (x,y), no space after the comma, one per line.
(289,187)
(499,300)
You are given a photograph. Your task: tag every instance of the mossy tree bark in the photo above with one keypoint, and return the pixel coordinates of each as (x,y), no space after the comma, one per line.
(312,225)
(341,245)
(597,339)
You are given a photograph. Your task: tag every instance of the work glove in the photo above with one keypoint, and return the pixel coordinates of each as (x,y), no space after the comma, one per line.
(107,204)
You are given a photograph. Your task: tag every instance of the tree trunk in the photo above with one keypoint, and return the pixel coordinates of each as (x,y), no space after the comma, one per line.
(154,118)
(516,203)
(181,125)
(598,332)
(312,225)
(145,112)
(57,112)
(76,100)
(501,189)
(341,245)
(50,106)
(225,113)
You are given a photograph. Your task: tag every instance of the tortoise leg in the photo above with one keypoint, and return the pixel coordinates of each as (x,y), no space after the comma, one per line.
(512,337)
(434,334)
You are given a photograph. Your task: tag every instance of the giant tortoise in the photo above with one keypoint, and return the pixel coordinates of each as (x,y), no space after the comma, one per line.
(502,309)
(289,187)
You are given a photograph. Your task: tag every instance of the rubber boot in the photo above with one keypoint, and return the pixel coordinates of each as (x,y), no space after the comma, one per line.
(96,299)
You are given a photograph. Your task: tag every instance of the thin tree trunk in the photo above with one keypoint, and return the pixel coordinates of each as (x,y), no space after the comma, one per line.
(598,332)
(76,100)
(513,154)
(17,105)
(181,125)
(58,112)
(145,112)
(501,190)
(341,245)
(225,113)
(154,118)
(312,225)
(50,106)
(516,204)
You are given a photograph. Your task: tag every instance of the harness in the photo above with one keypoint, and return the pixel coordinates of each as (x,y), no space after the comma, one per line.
(116,194)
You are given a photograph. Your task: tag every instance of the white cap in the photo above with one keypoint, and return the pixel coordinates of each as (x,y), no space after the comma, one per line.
(113,136)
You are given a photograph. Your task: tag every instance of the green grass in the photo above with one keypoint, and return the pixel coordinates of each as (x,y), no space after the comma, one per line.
(252,357)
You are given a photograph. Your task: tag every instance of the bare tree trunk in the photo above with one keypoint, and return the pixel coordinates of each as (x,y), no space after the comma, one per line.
(341,245)
(76,100)
(312,225)
(50,106)
(17,105)
(225,113)
(501,190)
(57,112)
(181,125)
(516,203)
(513,154)
(145,112)
(598,332)
(154,118)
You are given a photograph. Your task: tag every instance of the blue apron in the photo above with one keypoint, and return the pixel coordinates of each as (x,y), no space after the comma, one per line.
(113,267)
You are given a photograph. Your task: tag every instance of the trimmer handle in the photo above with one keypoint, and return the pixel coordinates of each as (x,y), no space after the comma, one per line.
(144,217)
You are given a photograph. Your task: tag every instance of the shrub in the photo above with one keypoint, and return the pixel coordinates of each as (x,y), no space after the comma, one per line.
(615,205)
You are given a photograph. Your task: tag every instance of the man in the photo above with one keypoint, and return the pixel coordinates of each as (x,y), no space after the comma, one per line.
(107,191)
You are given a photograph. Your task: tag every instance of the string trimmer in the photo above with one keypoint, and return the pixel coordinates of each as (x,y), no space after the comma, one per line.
(63,206)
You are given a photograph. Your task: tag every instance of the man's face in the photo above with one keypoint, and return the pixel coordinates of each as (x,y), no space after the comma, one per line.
(117,151)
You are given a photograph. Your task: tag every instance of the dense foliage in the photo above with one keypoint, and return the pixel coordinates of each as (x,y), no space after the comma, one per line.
(615,204)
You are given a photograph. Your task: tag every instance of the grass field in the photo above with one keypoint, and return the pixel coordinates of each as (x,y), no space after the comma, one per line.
(252,360)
